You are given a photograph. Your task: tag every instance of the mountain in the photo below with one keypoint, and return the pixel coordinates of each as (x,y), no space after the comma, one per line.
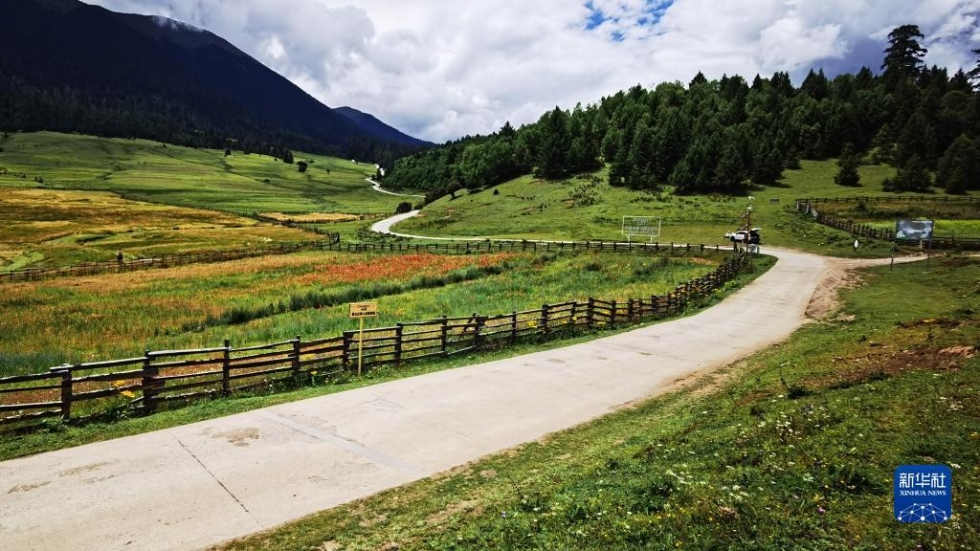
(370,124)
(71,67)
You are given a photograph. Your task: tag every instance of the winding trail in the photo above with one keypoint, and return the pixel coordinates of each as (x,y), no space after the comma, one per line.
(196,485)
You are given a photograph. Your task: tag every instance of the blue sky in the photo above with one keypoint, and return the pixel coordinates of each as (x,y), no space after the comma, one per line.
(441,70)
(650,16)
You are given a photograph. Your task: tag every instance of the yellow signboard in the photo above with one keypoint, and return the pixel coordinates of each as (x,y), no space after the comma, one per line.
(363,309)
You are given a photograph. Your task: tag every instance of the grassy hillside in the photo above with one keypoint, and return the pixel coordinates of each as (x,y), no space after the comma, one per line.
(793,448)
(68,199)
(584,207)
(587,208)
(203,178)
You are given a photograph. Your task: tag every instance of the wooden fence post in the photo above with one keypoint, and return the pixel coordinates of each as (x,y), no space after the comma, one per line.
(590,313)
(66,393)
(295,360)
(629,310)
(150,389)
(612,314)
(445,334)
(399,335)
(226,369)
(513,326)
(345,349)
(478,330)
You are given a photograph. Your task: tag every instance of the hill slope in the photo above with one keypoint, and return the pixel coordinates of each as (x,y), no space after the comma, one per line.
(71,67)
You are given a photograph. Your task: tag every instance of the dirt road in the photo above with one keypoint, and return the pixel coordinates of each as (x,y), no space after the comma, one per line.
(191,486)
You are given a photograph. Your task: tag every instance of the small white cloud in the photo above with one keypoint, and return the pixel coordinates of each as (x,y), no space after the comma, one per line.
(273,48)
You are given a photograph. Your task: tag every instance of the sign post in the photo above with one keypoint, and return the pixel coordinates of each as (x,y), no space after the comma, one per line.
(918,230)
(648,226)
(359,311)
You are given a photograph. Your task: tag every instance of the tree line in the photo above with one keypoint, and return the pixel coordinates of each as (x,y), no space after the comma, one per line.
(728,134)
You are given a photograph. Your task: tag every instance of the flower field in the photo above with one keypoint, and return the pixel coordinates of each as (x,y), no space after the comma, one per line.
(279,297)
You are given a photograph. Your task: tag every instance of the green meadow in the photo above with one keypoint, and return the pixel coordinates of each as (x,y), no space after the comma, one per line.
(586,207)
(202,178)
(69,199)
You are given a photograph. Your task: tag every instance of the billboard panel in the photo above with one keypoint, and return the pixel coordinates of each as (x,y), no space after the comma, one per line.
(918,230)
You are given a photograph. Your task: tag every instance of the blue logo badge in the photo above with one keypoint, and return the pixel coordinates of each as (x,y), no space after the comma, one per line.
(923,493)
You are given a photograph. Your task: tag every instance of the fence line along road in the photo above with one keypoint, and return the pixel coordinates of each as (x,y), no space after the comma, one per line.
(144,384)
(807,206)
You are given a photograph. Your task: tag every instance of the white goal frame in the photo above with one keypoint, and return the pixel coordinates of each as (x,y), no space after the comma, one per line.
(648,226)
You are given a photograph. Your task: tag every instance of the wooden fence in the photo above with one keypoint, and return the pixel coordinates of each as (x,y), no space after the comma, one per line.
(489,246)
(890,199)
(807,206)
(168,260)
(145,384)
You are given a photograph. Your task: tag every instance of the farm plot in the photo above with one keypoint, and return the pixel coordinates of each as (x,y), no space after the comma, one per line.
(45,227)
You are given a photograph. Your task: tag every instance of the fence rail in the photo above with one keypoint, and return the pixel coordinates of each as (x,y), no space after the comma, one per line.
(473,247)
(889,199)
(807,206)
(166,261)
(143,385)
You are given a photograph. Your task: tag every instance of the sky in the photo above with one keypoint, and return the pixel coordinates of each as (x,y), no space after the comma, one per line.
(439,69)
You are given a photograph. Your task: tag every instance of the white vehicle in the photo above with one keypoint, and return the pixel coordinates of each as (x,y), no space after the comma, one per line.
(747,240)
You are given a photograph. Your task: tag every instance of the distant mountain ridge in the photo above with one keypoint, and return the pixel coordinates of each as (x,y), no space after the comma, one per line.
(370,124)
(72,67)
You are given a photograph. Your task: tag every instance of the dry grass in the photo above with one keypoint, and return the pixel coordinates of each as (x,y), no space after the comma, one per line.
(312,218)
(51,227)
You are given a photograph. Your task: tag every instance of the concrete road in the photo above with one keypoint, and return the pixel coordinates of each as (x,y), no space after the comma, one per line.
(200,484)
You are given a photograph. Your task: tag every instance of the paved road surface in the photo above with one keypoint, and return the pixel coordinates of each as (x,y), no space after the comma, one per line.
(385,225)
(200,484)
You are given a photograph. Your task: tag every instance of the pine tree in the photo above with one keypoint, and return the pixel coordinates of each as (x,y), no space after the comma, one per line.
(903,56)
(974,74)
(959,167)
(918,137)
(914,176)
(552,158)
(847,174)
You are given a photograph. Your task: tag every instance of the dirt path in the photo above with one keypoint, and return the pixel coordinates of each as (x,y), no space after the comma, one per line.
(193,486)
(841,274)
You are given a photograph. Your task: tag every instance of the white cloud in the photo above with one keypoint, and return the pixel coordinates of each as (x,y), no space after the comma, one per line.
(440,70)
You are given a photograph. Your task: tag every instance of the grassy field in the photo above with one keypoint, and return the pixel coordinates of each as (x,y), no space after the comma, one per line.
(203,178)
(69,199)
(275,298)
(334,189)
(952,219)
(793,448)
(46,227)
(587,208)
